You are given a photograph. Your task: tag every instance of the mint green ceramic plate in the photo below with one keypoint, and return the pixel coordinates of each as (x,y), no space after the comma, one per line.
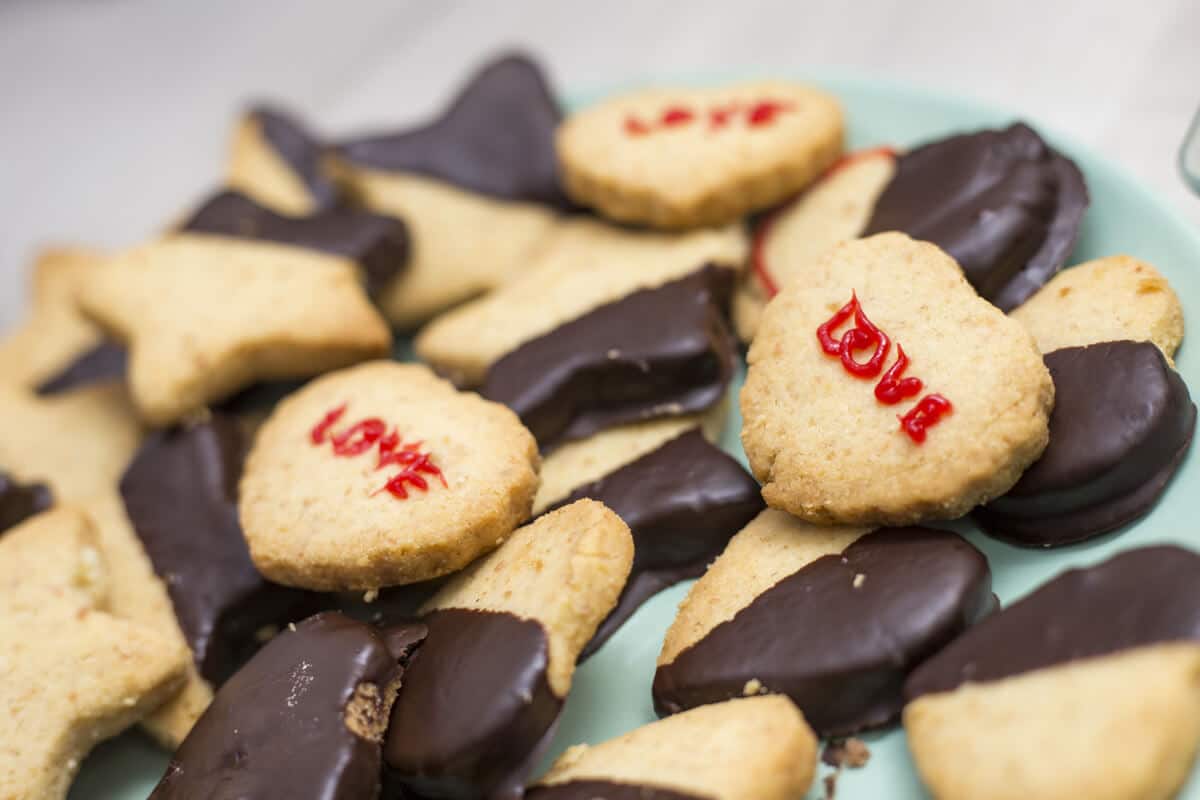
(611,692)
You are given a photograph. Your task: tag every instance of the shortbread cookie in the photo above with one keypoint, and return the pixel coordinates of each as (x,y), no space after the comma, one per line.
(71,674)
(478,188)
(1122,422)
(20,501)
(53,333)
(1109,299)
(303,719)
(380,475)
(76,443)
(481,696)
(587,265)
(681,157)
(377,244)
(821,405)
(657,352)
(753,749)
(277,161)
(861,609)
(787,241)
(205,316)
(1004,204)
(683,501)
(1031,702)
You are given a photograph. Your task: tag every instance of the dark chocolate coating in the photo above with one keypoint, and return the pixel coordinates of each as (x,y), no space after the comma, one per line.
(1001,202)
(20,501)
(840,653)
(300,151)
(278,727)
(377,243)
(496,138)
(1121,424)
(475,707)
(104,362)
(683,503)
(1139,597)
(605,790)
(180,493)
(655,352)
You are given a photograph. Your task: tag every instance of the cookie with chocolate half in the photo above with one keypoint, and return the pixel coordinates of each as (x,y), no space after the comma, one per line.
(103,363)
(665,351)
(682,501)
(276,160)
(302,719)
(1122,422)
(478,187)
(482,695)
(20,501)
(1087,687)
(756,748)
(834,618)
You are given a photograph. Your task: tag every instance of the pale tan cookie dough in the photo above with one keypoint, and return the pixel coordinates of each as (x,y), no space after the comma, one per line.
(694,174)
(564,570)
(205,316)
(462,244)
(54,332)
(71,675)
(834,209)
(586,265)
(257,170)
(321,521)
(827,451)
(79,442)
(1109,728)
(1105,300)
(757,748)
(771,547)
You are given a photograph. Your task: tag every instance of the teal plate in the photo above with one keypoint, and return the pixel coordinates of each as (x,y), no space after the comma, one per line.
(611,692)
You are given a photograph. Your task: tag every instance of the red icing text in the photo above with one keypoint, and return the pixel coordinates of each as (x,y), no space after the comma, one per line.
(893,387)
(372,433)
(755,115)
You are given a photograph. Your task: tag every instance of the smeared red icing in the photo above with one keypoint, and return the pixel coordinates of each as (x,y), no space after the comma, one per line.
(372,432)
(924,415)
(758,255)
(758,114)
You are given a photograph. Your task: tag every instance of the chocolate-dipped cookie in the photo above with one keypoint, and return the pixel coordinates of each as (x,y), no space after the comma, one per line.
(1087,687)
(682,501)
(180,493)
(657,352)
(303,719)
(1121,424)
(105,362)
(278,162)
(20,501)
(838,632)
(484,690)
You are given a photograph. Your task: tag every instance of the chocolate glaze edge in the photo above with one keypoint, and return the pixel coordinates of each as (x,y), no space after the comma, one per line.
(595,789)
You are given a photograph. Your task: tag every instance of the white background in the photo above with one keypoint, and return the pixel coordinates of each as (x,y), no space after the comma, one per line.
(114,115)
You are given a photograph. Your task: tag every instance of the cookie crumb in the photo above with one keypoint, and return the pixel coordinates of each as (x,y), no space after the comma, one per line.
(292,627)
(859,580)
(753,686)
(370,596)
(831,785)
(852,753)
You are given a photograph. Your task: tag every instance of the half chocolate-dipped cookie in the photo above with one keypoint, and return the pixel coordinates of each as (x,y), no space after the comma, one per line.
(20,501)
(276,160)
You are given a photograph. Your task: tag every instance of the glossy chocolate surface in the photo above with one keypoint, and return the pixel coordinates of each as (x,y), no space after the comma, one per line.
(377,243)
(1139,597)
(20,501)
(841,635)
(1001,202)
(180,493)
(104,362)
(682,502)
(605,790)
(300,150)
(475,708)
(1121,424)
(656,352)
(496,138)
(278,728)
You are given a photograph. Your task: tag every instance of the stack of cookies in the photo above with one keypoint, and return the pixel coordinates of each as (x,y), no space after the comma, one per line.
(236,514)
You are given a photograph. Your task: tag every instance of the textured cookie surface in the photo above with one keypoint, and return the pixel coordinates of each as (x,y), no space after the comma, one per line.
(586,265)
(752,749)
(1105,300)
(54,556)
(383,474)
(825,442)
(205,316)
(681,157)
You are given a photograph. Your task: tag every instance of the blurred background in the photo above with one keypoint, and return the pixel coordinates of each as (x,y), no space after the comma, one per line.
(115,114)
